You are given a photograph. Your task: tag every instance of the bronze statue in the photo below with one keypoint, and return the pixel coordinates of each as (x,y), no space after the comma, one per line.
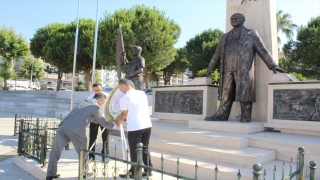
(134,70)
(235,53)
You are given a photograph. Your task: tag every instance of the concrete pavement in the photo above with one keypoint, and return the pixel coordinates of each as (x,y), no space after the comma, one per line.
(8,150)
(67,165)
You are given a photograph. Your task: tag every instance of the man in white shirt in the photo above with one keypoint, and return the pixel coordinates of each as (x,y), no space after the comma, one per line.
(97,88)
(134,105)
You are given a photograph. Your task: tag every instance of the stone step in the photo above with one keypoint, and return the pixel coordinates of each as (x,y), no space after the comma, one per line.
(35,104)
(244,157)
(20,99)
(227,126)
(61,112)
(287,145)
(206,168)
(25,95)
(48,112)
(181,133)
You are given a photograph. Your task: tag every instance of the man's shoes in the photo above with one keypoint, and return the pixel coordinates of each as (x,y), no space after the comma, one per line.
(130,175)
(213,118)
(91,160)
(52,177)
(144,174)
(87,175)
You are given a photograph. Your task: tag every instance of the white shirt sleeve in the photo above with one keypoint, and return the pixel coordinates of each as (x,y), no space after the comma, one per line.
(123,103)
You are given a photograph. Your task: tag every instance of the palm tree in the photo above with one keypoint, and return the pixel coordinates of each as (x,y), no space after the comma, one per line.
(285,25)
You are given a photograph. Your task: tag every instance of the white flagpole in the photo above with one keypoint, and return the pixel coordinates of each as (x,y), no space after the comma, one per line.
(95,46)
(75,58)
(98,137)
(122,140)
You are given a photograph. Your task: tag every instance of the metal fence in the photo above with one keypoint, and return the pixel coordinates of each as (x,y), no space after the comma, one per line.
(257,173)
(35,136)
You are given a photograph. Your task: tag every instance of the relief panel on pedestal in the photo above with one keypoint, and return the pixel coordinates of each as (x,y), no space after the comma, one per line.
(184,102)
(296,104)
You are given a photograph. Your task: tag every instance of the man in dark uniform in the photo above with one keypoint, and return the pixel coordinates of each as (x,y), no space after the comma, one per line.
(235,53)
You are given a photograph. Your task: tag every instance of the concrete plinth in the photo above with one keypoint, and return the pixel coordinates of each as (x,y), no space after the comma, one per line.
(228,126)
(296,107)
(177,106)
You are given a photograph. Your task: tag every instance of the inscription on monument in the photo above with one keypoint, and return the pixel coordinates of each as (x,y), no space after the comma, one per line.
(297,104)
(185,102)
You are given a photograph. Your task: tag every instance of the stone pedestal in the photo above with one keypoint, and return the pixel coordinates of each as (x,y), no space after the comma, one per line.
(201,80)
(179,104)
(261,16)
(228,126)
(294,107)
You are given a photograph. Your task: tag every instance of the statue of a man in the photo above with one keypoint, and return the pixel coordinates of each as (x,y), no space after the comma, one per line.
(135,68)
(235,53)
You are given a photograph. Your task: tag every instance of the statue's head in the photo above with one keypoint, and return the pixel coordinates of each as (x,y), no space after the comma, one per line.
(136,50)
(237,20)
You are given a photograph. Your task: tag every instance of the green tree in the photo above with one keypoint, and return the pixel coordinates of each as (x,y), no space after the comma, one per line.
(299,76)
(58,49)
(98,76)
(178,66)
(142,26)
(85,48)
(37,69)
(155,77)
(302,56)
(201,48)
(39,46)
(12,47)
(285,25)
(215,75)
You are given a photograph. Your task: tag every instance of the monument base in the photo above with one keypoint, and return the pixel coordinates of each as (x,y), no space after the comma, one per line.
(295,127)
(186,102)
(228,126)
(293,107)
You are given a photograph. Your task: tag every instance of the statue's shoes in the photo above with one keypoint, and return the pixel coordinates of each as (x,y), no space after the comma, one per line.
(245,120)
(214,119)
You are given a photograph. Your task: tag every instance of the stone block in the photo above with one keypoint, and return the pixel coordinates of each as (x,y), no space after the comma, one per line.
(228,126)
(201,81)
(283,77)
(181,103)
(245,157)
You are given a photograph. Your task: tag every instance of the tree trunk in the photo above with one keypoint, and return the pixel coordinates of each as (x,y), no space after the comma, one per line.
(147,79)
(5,84)
(166,78)
(88,79)
(157,81)
(59,79)
(182,80)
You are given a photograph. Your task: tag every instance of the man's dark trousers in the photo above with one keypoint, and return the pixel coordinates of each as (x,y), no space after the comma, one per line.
(139,136)
(93,136)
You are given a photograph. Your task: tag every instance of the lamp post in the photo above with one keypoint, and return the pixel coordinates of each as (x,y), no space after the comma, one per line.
(75,58)
(31,72)
(95,47)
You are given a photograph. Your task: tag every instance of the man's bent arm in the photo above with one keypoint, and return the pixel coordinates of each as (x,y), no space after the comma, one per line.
(123,117)
(102,121)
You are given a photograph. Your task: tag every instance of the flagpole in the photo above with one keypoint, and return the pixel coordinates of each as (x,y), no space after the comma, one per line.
(75,58)
(95,46)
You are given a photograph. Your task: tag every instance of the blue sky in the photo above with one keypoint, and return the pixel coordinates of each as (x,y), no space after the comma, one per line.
(193,16)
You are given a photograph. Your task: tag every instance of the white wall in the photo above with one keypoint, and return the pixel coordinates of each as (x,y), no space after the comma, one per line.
(79,96)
